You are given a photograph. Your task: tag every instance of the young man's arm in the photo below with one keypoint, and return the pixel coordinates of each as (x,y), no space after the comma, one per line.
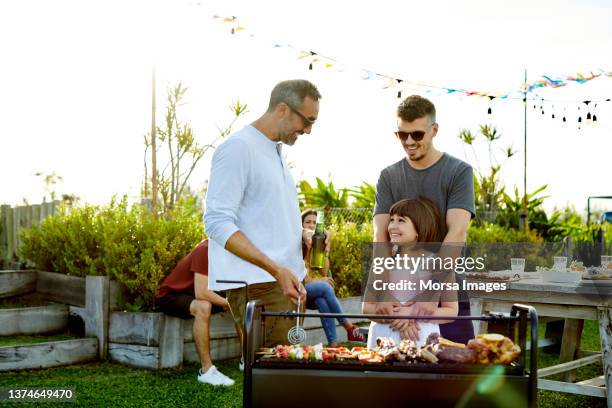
(381,223)
(457,223)
(384,201)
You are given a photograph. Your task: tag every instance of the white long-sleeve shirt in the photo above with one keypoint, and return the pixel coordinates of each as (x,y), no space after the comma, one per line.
(251,190)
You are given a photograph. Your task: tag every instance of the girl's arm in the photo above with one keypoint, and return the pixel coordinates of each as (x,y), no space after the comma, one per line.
(368,308)
(446,309)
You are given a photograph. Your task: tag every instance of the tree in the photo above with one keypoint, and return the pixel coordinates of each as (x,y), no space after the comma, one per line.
(180,149)
(488,188)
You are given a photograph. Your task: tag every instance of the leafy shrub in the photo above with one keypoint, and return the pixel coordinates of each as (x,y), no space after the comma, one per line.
(68,242)
(493,233)
(499,244)
(129,245)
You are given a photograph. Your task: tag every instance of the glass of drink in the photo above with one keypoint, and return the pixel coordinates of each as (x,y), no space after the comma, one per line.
(606,262)
(560,263)
(517,264)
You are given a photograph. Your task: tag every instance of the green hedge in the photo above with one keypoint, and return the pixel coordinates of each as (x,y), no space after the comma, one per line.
(346,254)
(127,244)
(493,233)
(132,247)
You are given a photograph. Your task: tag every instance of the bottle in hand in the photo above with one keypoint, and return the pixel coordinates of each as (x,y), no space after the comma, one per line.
(317,252)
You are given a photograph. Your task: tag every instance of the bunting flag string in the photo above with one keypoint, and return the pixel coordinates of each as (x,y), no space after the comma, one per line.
(314,60)
(546,81)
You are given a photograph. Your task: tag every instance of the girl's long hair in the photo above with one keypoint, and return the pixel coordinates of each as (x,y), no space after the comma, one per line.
(424,216)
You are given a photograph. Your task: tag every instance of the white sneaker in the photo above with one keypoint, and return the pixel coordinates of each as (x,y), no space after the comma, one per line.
(241,365)
(214,377)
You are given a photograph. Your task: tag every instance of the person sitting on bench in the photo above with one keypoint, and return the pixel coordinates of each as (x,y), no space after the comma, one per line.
(184,293)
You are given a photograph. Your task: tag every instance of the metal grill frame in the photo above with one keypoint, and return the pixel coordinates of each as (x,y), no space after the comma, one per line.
(521,316)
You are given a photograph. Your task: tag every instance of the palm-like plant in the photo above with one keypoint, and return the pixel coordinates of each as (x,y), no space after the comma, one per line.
(509,215)
(323,195)
(364,195)
(488,193)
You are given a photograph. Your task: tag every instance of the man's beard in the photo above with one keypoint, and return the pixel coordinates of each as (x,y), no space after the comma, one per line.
(289,139)
(416,157)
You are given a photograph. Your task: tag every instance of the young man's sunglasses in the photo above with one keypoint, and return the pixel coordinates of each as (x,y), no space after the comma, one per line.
(417,135)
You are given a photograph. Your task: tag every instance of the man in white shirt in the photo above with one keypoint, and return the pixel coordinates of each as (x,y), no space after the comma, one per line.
(252,215)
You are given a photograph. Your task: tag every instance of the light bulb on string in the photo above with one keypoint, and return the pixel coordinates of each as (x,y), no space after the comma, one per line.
(588,116)
(490,110)
(313,59)
(553,111)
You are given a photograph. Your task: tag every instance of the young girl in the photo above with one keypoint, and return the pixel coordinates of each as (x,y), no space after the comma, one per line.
(412,221)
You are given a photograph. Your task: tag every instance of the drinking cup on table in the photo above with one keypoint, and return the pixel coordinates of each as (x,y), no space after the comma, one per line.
(606,262)
(517,264)
(560,263)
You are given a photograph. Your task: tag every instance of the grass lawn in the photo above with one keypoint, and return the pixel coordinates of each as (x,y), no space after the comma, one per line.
(23,340)
(114,385)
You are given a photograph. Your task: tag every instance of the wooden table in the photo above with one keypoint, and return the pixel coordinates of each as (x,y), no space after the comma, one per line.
(575,303)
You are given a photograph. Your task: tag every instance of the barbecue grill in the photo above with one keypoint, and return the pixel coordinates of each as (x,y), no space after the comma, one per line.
(271,382)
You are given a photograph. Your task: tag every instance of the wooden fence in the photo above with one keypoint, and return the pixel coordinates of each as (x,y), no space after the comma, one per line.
(12,219)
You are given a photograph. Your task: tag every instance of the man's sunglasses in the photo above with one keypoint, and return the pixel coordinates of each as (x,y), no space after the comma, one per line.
(417,135)
(305,121)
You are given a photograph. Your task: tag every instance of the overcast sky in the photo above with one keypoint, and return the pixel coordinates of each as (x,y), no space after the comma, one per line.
(75,83)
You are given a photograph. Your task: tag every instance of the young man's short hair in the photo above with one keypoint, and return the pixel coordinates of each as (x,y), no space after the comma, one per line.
(415,107)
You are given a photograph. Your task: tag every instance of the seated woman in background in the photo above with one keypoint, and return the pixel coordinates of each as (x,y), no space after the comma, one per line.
(412,221)
(320,292)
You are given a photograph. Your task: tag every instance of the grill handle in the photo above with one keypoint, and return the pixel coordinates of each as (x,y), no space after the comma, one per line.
(527,312)
(293,315)
(252,315)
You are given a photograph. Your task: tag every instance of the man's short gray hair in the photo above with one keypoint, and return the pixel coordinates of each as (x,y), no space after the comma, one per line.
(293,92)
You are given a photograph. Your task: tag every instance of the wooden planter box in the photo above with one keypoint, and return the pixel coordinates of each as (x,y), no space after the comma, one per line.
(71,290)
(156,340)
(150,340)
(224,343)
(33,320)
(13,283)
(51,354)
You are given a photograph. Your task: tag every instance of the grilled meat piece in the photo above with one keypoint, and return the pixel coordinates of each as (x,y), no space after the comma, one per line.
(385,342)
(389,354)
(457,355)
(409,348)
